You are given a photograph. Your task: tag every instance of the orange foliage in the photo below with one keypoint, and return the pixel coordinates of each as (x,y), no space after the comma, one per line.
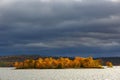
(51,63)
(109,64)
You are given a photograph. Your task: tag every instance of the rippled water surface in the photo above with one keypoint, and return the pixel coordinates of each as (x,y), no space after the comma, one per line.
(60,74)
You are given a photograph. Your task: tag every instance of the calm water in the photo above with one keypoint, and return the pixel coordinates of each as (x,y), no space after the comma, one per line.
(60,74)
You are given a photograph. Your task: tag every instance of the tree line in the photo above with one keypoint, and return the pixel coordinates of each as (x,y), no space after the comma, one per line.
(60,63)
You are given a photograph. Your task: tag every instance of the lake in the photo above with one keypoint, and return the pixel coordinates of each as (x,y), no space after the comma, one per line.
(60,74)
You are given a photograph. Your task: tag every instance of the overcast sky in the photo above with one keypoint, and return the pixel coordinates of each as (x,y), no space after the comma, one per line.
(60,27)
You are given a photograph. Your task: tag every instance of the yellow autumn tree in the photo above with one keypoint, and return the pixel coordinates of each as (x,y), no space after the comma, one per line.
(38,63)
(77,62)
(51,63)
(86,62)
(26,63)
(109,64)
(32,63)
(54,64)
(16,64)
(98,63)
(19,65)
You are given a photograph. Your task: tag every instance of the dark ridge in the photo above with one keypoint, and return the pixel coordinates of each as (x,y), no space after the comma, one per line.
(114,60)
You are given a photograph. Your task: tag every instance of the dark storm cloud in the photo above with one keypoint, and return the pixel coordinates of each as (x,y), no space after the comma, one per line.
(76,26)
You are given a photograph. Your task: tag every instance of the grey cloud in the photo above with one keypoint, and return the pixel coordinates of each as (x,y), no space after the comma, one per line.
(60,24)
(75,42)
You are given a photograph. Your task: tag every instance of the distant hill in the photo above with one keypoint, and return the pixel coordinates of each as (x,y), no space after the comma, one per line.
(8,61)
(18,58)
(24,57)
(114,60)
